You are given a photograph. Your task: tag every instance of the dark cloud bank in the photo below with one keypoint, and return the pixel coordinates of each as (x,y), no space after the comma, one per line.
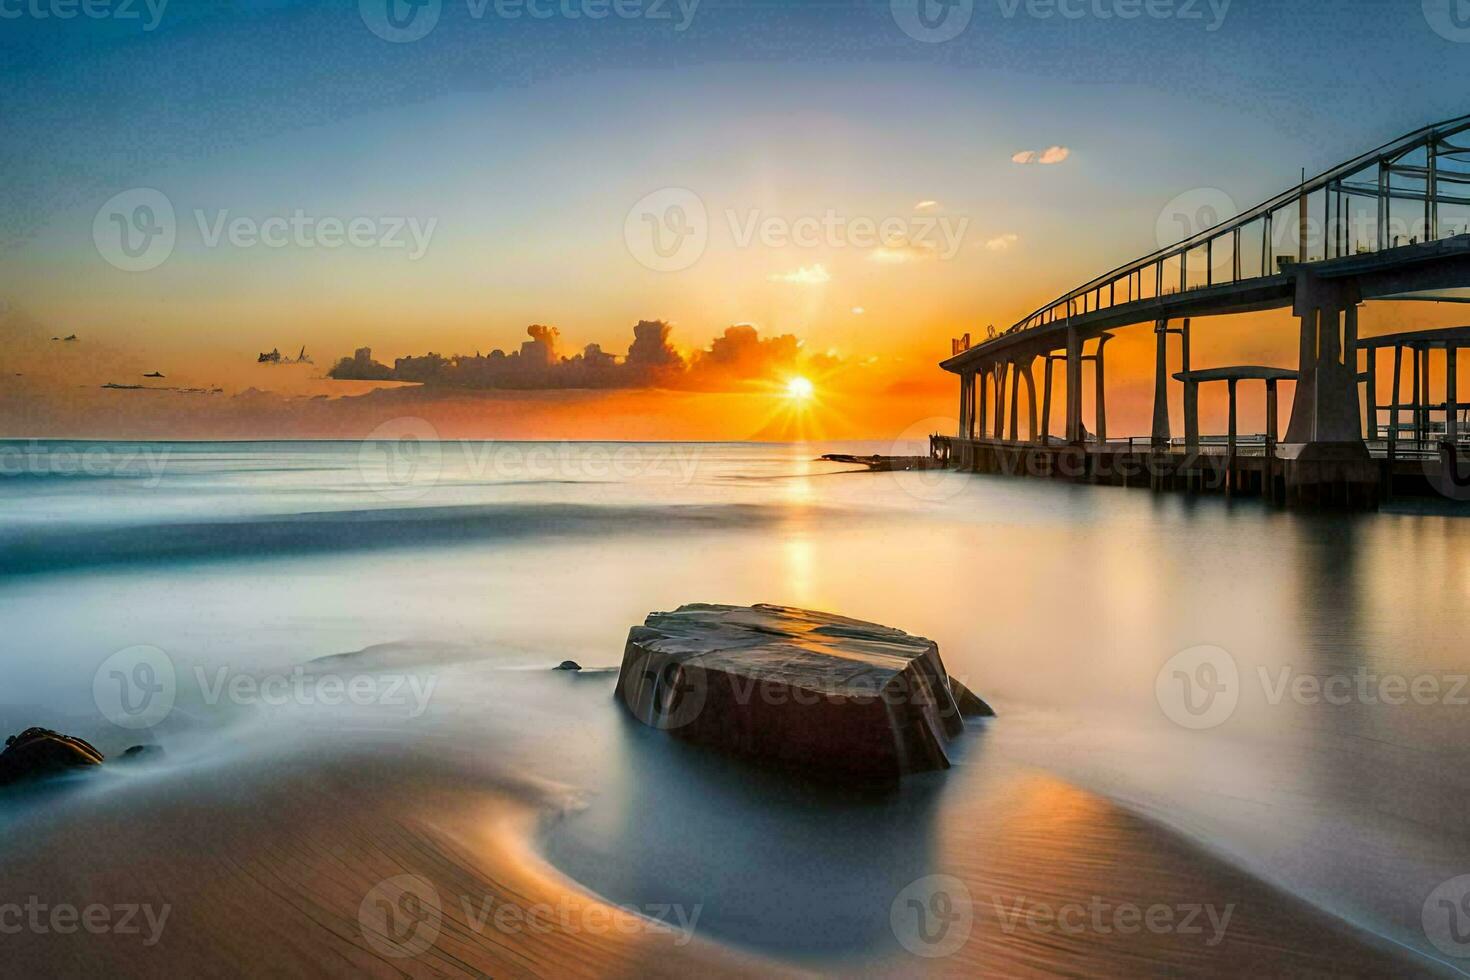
(739,354)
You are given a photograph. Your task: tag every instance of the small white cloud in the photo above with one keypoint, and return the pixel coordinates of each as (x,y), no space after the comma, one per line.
(1050,155)
(899,252)
(1002,243)
(807,275)
(926,205)
(858,311)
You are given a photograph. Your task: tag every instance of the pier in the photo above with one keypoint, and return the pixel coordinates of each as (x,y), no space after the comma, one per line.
(1390,224)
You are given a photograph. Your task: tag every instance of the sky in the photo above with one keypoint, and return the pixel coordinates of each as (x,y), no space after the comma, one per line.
(846,174)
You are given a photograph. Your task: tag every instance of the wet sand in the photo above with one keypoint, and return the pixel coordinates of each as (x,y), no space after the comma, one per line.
(275,861)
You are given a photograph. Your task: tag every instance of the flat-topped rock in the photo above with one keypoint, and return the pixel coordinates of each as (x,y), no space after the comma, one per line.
(795,688)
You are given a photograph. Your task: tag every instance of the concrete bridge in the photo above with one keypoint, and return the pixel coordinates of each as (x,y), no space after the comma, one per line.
(1393,223)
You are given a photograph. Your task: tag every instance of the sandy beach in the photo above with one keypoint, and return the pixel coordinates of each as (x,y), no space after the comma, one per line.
(411,856)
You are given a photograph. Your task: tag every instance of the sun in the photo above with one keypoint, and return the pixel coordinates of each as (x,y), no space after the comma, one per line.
(800,389)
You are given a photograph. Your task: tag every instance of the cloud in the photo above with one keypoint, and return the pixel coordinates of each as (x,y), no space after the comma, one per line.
(926,205)
(809,275)
(738,355)
(1050,155)
(1002,243)
(900,252)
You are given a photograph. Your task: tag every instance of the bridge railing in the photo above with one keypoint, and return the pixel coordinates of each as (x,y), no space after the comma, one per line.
(1427,167)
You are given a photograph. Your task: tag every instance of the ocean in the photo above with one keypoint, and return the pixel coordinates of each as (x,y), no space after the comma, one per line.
(1201,703)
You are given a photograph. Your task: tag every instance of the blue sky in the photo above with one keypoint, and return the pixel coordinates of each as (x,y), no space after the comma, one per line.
(527,140)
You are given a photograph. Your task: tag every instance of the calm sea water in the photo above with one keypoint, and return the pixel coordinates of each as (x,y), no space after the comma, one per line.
(1285,690)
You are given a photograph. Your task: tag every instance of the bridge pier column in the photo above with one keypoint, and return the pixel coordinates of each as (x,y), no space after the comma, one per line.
(1393,409)
(1015,400)
(1230,440)
(1000,400)
(1418,385)
(1191,416)
(981,400)
(964,424)
(1451,395)
(1030,398)
(1324,440)
(1371,377)
(1101,392)
(1160,436)
(1191,392)
(1045,436)
(1074,386)
(1324,413)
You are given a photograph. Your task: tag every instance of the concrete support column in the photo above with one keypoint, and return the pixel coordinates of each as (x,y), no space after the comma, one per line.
(1015,399)
(1393,411)
(970,405)
(1425,400)
(1451,395)
(1000,400)
(1074,386)
(1325,410)
(1372,379)
(1101,392)
(1230,437)
(1417,378)
(982,400)
(1271,422)
(1191,392)
(1230,440)
(1046,399)
(964,425)
(1030,379)
(1161,384)
(1191,416)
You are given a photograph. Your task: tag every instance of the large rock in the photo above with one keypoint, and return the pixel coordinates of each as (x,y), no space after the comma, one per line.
(38,752)
(795,688)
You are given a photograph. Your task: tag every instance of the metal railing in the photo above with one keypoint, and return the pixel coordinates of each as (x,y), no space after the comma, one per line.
(1152,276)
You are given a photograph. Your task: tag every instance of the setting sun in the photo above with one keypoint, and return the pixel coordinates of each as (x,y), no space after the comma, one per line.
(800,388)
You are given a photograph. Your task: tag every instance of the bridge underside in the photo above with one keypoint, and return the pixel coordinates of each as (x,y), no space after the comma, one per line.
(1325,434)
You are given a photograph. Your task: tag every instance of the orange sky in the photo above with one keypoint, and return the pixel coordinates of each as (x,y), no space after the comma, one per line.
(53,388)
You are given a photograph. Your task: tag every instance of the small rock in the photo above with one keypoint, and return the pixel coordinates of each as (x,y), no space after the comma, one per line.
(568,665)
(141,753)
(970,704)
(38,752)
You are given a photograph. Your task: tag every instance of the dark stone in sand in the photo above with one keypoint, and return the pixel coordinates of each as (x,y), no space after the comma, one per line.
(38,752)
(794,688)
(568,665)
(969,703)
